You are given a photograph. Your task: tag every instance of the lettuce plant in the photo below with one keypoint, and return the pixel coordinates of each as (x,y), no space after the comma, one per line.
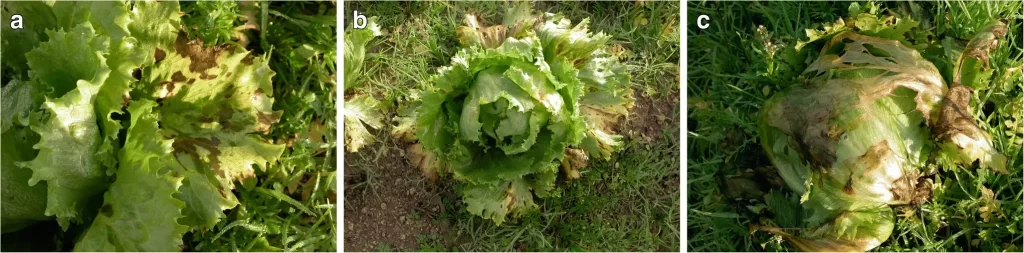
(120,124)
(852,138)
(520,102)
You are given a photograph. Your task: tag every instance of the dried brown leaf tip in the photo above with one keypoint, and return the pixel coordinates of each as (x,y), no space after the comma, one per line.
(424,160)
(956,129)
(475,32)
(574,160)
(985,41)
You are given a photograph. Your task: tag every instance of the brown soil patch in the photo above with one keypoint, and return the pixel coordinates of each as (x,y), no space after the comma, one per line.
(650,116)
(393,207)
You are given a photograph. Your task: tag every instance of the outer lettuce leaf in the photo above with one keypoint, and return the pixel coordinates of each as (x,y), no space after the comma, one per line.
(205,199)
(355,52)
(562,40)
(212,107)
(23,205)
(608,98)
(18,101)
(213,100)
(494,202)
(139,212)
(360,110)
(209,90)
(69,136)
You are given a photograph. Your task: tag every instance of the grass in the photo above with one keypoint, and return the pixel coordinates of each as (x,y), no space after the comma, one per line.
(731,73)
(627,204)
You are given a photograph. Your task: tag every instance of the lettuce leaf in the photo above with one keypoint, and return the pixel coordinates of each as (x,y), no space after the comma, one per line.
(139,212)
(21,205)
(360,110)
(69,136)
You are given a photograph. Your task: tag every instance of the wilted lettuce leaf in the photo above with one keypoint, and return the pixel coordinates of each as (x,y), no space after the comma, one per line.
(608,98)
(359,110)
(961,139)
(214,100)
(139,212)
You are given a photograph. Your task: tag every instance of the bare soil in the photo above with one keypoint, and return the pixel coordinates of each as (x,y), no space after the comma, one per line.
(650,116)
(392,210)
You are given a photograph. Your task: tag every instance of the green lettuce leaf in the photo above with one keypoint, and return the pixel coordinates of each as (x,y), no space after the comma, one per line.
(494,202)
(69,140)
(18,101)
(70,55)
(139,212)
(22,204)
(155,24)
(37,17)
(205,198)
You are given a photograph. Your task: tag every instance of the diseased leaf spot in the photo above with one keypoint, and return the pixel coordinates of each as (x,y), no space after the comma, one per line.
(159,55)
(873,157)
(177,77)
(106,210)
(848,189)
(202,58)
